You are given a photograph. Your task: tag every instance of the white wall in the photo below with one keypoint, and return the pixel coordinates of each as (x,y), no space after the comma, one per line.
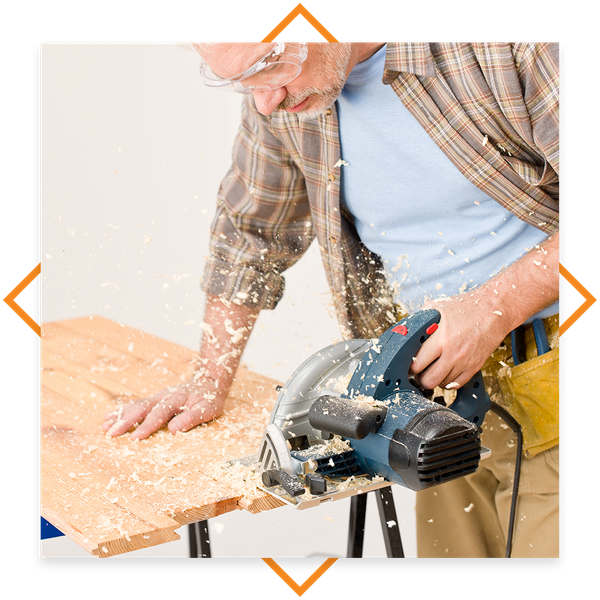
(133,150)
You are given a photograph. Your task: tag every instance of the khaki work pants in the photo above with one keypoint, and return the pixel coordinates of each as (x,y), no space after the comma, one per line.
(469,517)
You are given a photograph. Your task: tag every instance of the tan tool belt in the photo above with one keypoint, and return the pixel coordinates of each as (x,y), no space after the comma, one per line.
(529,390)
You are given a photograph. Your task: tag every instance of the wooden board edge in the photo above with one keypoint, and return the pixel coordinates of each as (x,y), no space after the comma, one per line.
(140,541)
(112,546)
(260,504)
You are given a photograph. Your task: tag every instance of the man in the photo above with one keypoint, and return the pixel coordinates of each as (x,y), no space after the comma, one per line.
(429,175)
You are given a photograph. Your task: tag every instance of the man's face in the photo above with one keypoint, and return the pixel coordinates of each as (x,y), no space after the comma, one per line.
(319,84)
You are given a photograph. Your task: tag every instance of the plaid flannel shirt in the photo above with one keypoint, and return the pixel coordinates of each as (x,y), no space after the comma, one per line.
(492,109)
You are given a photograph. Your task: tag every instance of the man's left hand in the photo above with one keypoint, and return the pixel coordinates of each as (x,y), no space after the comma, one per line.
(473,324)
(470,330)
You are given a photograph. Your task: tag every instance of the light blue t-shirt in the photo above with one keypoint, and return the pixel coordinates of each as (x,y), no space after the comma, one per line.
(437,233)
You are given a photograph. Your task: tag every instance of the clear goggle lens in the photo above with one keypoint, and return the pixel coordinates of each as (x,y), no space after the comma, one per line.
(275,70)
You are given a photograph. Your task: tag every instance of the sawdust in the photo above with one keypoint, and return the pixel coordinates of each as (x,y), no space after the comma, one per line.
(353,482)
(339,384)
(159,470)
(243,479)
(336,445)
(347,484)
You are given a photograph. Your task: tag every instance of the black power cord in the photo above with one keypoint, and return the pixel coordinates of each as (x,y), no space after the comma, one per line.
(514,425)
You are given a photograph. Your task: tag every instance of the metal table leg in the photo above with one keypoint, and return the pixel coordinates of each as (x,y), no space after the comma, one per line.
(356,528)
(199,540)
(389,524)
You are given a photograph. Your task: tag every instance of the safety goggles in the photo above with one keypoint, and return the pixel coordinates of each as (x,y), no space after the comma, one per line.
(281,65)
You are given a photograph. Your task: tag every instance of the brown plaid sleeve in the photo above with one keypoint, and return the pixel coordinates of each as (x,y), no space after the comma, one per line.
(262,224)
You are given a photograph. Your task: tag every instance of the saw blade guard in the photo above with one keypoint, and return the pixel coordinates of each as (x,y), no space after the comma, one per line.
(326,372)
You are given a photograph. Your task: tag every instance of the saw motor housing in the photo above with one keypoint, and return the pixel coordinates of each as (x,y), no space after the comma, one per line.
(394,431)
(407,439)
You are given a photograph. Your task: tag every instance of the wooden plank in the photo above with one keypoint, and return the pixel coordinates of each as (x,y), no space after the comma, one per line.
(114,495)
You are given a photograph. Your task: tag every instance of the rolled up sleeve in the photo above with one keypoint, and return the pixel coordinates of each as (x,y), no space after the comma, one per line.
(262,225)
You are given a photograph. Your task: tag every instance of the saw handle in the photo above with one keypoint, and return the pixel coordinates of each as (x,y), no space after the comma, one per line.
(384,368)
(472,401)
(346,417)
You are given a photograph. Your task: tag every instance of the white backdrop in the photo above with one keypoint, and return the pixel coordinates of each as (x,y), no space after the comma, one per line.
(133,149)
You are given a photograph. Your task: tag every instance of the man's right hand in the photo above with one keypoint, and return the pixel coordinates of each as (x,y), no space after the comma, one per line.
(227,327)
(183,407)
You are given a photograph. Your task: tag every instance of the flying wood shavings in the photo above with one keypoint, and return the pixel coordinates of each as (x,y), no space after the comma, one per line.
(353,481)
(217,527)
(236,334)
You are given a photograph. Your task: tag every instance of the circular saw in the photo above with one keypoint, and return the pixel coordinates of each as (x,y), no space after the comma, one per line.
(351,419)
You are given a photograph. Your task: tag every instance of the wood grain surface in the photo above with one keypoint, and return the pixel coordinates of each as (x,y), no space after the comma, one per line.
(114,495)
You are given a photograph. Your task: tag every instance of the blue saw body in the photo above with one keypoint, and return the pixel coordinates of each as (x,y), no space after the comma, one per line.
(392,429)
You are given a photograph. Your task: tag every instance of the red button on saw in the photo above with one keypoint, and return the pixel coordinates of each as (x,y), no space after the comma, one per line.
(401,329)
(431,329)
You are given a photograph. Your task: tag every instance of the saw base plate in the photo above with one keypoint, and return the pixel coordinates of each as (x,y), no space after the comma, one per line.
(337,487)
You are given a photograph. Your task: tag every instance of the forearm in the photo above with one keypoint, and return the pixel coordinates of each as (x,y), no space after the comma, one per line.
(473,324)
(226,329)
(524,288)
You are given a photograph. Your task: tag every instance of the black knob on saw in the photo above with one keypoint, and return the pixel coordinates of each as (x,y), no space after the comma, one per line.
(289,483)
(316,484)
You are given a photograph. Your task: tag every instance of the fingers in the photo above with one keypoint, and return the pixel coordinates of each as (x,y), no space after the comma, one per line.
(447,367)
(439,364)
(182,407)
(151,412)
(436,364)
(170,404)
(120,421)
(200,413)
(119,427)
(426,366)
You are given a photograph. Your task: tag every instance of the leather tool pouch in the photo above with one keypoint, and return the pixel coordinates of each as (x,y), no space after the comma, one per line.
(530,395)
